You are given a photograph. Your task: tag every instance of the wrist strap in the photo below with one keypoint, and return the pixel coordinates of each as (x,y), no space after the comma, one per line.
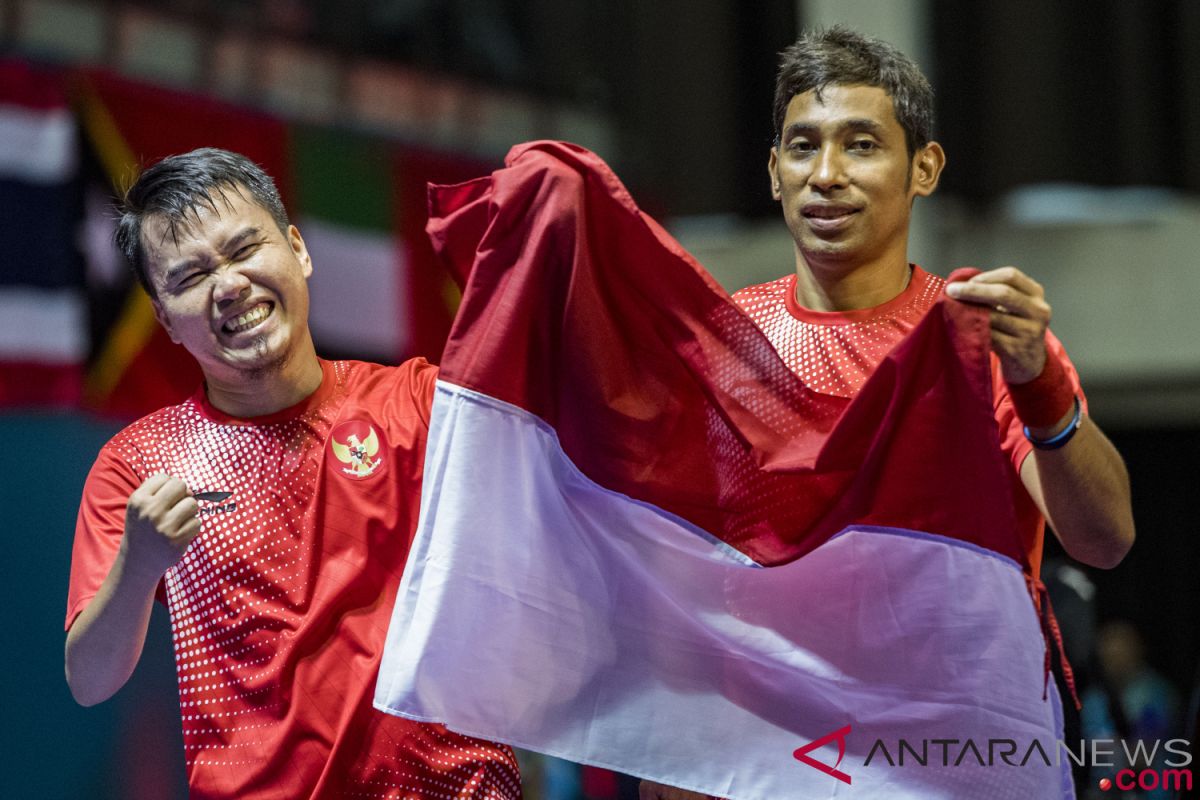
(1062,437)
(1044,400)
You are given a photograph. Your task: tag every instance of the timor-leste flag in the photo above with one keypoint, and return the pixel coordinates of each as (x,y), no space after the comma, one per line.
(131,125)
(645,544)
(377,291)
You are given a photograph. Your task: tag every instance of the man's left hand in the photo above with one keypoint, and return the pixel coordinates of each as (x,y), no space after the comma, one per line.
(1020,316)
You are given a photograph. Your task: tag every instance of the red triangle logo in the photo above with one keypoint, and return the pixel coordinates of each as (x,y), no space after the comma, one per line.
(801,753)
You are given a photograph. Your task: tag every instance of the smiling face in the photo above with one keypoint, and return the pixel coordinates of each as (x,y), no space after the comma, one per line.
(844,176)
(230,286)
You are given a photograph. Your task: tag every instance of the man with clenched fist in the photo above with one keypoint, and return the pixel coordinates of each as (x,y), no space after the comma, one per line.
(272,512)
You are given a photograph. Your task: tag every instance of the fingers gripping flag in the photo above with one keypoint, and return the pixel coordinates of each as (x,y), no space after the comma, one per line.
(645,544)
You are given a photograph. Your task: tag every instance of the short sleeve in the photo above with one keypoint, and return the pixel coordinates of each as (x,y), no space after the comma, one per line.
(98,528)
(422,383)
(1012,434)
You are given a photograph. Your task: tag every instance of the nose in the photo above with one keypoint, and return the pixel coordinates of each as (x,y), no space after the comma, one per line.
(828,170)
(231,285)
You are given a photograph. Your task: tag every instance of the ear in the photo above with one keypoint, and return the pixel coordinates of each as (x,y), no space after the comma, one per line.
(300,250)
(927,167)
(773,170)
(161,316)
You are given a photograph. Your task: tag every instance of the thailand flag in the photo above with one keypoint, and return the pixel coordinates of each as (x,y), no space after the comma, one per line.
(646,545)
(43,303)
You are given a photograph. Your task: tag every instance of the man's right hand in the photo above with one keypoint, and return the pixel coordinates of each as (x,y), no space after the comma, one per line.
(161,520)
(105,641)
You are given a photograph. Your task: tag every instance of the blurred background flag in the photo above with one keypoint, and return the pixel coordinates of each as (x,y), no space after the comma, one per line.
(43,315)
(130,125)
(77,329)
(346,215)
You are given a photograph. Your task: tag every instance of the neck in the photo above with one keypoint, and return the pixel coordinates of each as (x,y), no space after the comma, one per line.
(255,393)
(836,286)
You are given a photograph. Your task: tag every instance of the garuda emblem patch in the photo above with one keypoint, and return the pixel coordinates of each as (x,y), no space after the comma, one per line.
(355,449)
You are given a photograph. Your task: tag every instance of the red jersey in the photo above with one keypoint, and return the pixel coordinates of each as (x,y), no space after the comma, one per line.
(280,606)
(834,352)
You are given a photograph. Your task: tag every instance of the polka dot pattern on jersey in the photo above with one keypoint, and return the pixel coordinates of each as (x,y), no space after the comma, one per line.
(276,613)
(836,357)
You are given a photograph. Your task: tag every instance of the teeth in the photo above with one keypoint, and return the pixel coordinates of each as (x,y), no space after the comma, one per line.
(249,319)
(828,213)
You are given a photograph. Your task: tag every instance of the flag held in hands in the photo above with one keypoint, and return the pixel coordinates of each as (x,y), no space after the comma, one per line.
(646,545)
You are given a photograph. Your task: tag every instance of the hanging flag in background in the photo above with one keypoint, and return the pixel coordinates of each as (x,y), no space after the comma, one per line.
(130,125)
(43,313)
(434,293)
(645,544)
(378,293)
(345,212)
(378,290)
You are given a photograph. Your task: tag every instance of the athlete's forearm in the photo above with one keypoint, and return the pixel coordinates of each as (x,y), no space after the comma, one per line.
(106,639)
(1083,488)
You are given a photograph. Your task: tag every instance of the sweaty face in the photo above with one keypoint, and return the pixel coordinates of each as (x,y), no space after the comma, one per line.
(231,287)
(844,177)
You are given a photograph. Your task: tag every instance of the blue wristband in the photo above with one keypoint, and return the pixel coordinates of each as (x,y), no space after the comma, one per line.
(1062,437)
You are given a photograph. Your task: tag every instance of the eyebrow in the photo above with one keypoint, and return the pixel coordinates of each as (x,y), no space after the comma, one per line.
(864,125)
(231,245)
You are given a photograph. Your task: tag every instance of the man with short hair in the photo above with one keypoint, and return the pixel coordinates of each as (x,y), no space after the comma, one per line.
(853,120)
(273,511)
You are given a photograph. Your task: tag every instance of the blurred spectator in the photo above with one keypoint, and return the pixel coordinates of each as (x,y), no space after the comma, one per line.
(1191,733)
(1073,597)
(1129,701)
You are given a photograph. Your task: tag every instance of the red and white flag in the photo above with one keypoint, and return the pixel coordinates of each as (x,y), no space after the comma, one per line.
(43,307)
(646,545)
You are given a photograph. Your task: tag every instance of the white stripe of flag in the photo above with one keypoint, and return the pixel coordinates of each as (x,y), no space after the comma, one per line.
(543,610)
(37,146)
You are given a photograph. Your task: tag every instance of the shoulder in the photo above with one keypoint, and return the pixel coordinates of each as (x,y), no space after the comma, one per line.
(924,289)
(136,441)
(926,282)
(361,375)
(765,293)
(128,458)
(401,389)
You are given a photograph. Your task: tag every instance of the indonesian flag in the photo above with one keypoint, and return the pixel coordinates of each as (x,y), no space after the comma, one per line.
(646,545)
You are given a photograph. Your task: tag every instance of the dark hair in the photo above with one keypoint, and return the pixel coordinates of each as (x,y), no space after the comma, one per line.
(842,57)
(178,186)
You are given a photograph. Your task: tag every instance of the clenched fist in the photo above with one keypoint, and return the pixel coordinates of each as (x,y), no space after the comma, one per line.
(161,519)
